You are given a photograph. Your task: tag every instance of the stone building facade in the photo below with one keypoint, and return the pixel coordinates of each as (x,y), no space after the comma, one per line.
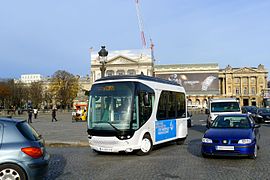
(125,62)
(246,84)
(201,81)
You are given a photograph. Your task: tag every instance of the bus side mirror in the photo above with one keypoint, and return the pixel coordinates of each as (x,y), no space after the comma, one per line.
(146,99)
(207,111)
(86,93)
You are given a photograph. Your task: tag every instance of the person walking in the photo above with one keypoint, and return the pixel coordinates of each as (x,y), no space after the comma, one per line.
(35,113)
(54,114)
(30,112)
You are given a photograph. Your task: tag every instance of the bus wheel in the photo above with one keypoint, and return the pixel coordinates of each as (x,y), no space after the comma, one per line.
(146,145)
(180,141)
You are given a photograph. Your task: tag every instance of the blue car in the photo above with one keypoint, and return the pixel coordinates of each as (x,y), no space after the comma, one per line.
(22,152)
(231,135)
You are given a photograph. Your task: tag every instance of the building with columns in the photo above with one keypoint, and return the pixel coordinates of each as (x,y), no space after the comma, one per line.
(123,62)
(201,81)
(246,84)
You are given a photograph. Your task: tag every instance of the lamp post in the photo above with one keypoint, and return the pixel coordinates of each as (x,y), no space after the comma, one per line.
(103,53)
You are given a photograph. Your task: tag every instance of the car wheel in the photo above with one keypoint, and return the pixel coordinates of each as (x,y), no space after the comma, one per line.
(146,145)
(189,123)
(205,155)
(12,171)
(254,155)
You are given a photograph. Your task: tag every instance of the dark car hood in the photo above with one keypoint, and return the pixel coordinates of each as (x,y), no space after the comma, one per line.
(231,133)
(264,114)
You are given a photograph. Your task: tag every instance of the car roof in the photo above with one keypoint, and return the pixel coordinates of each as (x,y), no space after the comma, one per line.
(234,115)
(10,120)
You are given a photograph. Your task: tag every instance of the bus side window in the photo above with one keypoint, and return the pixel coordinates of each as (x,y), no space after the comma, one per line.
(145,108)
(181,105)
(161,111)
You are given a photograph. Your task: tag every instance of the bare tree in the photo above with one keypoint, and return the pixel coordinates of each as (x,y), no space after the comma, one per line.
(36,93)
(64,87)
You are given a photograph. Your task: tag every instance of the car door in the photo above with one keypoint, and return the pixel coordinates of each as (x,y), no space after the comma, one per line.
(1,133)
(255,130)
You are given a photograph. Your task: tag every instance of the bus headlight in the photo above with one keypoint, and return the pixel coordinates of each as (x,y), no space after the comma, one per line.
(207,140)
(244,141)
(122,137)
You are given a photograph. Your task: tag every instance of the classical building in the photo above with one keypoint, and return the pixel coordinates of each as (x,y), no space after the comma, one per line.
(199,80)
(29,78)
(246,84)
(123,62)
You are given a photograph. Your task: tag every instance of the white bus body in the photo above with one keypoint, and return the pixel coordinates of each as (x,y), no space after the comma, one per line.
(154,112)
(222,106)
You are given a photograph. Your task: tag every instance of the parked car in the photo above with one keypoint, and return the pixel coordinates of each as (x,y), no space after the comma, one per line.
(253,111)
(231,135)
(189,119)
(263,115)
(249,109)
(22,152)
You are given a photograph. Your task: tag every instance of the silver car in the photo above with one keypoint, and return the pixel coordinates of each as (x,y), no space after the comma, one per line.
(22,152)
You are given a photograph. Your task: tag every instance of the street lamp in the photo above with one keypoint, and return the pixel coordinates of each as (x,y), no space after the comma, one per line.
(103,53)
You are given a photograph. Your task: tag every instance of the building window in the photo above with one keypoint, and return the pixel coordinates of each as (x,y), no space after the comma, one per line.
(237,80)
(253,90)
(120,72)
(131,72)
(205,103)
(237,91)
(198,102)
(244,80)
(245,91)
(189,102)
(252,80)
(229,89)
(110,73)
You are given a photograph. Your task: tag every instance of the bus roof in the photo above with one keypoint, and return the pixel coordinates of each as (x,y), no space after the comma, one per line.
(224,100)
(140,77)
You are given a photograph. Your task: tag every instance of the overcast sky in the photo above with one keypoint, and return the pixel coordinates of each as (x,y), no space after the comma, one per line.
(48,35)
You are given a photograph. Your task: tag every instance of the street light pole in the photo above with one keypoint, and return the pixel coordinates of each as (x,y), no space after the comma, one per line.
(103,53)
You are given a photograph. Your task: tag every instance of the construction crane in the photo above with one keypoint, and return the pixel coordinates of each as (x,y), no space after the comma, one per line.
(140,23)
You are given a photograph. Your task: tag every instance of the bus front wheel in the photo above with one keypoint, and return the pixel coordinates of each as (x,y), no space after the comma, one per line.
(146,145)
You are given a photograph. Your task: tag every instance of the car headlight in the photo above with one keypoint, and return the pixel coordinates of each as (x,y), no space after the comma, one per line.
(207,140)
(244,141)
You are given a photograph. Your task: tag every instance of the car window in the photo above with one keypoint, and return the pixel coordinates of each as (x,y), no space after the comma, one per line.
(231,122)
(28,131)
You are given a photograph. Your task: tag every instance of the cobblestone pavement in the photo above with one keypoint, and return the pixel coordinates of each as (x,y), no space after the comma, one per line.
(169,161)
(64,132)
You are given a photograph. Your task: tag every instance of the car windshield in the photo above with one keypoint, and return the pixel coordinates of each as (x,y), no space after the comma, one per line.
(231,122)
(225,107)
(265,110)
(251,109)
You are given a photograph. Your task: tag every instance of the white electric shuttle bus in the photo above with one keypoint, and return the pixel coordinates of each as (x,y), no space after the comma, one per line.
(133,113)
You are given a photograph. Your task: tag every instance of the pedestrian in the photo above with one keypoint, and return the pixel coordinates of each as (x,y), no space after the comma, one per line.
(30,112)
(54,114)
(35,113)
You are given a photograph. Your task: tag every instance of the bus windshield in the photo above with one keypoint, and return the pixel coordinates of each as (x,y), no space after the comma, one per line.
(225,107)
(110,106)
(266,102)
